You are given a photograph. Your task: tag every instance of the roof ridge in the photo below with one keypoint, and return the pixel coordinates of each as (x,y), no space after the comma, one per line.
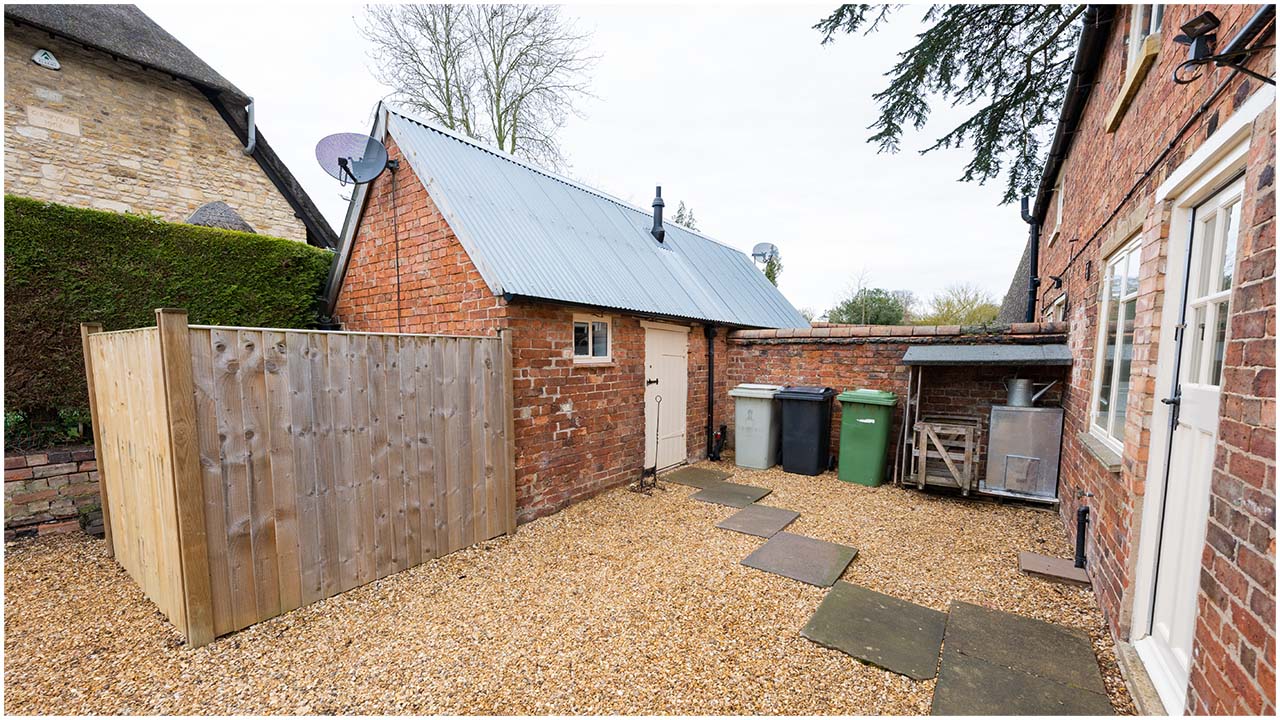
(503,155)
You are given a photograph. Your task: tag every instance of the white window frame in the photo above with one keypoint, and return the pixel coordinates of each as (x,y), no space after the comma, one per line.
(1132,247)
(590,320)
(1054,313)
(1057,218)
(1141,28)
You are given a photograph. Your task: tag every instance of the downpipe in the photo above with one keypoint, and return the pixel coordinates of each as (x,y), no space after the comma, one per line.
(1033,280)
(252,130)
(1082,529)
(715,441)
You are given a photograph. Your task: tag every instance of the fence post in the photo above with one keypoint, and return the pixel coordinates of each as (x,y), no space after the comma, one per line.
(184,452)
(509,433)
(87,329)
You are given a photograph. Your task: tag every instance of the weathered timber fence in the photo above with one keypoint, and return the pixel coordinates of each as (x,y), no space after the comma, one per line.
(246,472)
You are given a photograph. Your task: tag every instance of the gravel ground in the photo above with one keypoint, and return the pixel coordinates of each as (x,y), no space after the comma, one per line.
(622,604)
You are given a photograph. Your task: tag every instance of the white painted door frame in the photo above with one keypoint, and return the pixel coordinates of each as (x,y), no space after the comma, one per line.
(1208,170)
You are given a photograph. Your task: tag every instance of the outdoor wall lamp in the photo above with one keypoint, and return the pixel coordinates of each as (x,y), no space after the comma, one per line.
(1200,36)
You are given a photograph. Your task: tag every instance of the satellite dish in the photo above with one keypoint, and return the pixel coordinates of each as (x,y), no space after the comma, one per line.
(764,252)
(352,157)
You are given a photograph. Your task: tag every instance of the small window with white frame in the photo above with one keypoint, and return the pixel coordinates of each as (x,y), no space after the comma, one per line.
(1146,21)
(1057,212)
(1117,309)
(1057,310)
(592,339)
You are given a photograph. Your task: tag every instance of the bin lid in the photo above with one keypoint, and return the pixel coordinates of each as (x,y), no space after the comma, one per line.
(801,392)
(755,390)
(868,397)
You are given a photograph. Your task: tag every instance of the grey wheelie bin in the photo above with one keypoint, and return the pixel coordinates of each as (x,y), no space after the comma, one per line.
(757,423)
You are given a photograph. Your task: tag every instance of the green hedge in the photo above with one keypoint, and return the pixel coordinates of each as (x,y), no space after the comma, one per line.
(64,266)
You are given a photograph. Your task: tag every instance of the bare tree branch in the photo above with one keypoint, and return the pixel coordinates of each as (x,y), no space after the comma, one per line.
(507,74)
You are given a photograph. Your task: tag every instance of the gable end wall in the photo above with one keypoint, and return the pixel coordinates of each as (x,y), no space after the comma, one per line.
(579,429)
(113,135)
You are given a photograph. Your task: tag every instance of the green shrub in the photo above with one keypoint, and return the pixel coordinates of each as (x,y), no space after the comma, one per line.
(64,266)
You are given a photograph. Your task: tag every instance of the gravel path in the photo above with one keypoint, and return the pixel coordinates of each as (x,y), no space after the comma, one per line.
(622,604)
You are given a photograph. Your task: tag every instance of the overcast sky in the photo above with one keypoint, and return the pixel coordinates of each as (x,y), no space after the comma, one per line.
(737,111)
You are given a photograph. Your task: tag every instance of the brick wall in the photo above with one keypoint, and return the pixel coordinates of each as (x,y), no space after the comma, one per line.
(440,290)
(45,491)
(1233,670)
(1233,665)
(579,429)
(852,357)
(113,135)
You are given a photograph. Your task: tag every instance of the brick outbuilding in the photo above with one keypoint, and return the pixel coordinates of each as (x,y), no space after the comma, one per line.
(607,313)
(1154,239)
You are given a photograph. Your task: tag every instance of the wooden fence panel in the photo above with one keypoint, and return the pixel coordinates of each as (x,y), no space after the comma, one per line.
(136,463)
(249,471)
(330,459)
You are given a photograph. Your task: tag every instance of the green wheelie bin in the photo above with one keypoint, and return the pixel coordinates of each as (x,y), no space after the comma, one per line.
(865,418)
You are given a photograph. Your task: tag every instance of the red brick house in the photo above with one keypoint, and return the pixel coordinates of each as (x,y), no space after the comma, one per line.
(1153,237)
(615,322)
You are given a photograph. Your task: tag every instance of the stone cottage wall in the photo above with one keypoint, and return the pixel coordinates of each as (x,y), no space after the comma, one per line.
(1233,664)
(113,135)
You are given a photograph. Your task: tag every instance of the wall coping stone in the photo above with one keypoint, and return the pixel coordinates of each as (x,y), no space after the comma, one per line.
(1045,332)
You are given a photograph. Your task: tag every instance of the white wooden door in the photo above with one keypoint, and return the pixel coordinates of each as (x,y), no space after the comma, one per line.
(666,362)
(1185,506)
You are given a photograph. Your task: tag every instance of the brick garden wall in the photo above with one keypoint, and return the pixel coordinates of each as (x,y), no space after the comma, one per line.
(1233,661)
(113,135)
(44,492)
(851,357)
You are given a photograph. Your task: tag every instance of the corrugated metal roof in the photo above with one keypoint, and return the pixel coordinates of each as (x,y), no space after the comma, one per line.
(987,355)
(534,234)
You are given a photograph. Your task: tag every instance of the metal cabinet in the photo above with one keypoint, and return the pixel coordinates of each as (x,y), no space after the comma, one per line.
(1024,446)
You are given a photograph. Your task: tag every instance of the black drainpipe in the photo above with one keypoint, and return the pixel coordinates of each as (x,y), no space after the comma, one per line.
(1033,283)
(710,332)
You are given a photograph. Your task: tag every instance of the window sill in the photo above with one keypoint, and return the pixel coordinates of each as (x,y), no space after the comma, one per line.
(1110,459)
(593,362)
(1142,65)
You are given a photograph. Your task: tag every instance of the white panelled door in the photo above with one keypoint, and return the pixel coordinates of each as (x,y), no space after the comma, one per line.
(666,362)
(1185,507)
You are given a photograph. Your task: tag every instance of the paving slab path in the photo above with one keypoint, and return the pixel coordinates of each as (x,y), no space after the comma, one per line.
(759,520)
(879,629)
(996,663)
(816,562)
(731,494)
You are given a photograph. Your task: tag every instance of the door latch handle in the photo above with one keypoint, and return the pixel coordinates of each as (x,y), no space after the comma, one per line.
(650,381)
(1175,400)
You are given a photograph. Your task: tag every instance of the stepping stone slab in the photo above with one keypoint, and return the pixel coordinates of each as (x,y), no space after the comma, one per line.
(884,631)
(816,562)
(695,477)
(731,494)
(969,685)
(759,520)
(1054,569)
(1001,664)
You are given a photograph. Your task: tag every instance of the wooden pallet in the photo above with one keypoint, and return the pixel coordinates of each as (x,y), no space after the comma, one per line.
(945,453)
